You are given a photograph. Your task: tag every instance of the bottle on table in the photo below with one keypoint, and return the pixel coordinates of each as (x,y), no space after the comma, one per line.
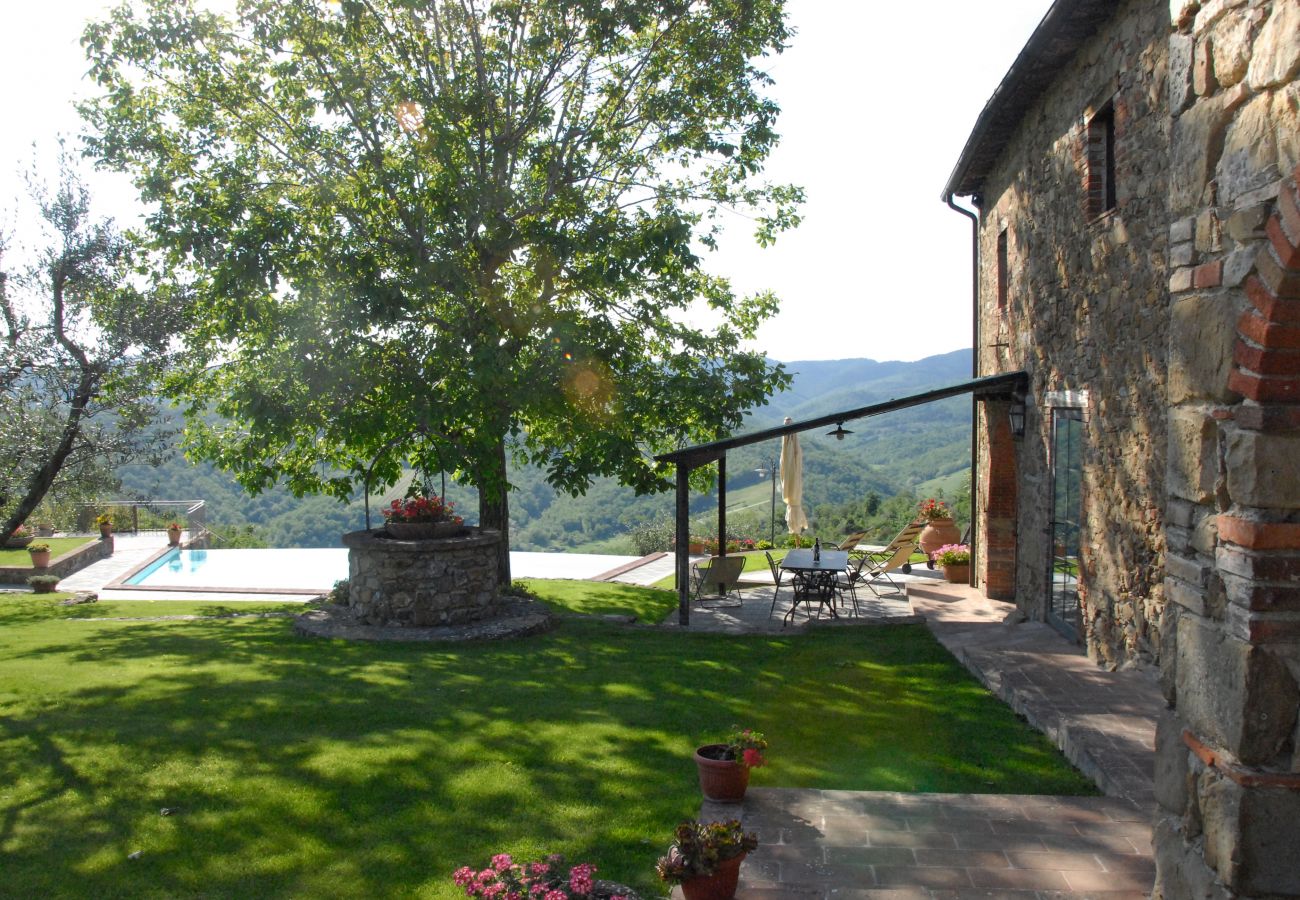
(817,550)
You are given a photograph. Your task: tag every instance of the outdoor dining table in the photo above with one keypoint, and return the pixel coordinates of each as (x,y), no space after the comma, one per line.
(814,580)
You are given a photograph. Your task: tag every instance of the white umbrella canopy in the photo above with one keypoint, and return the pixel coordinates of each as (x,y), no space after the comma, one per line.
(792,482)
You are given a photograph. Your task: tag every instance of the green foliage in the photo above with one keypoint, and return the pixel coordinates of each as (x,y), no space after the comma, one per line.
(435,236)
(43,581)
(82,342)
(652,537)
(853,479)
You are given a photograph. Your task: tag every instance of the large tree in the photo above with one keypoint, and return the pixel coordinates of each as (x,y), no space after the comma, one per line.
(432,233)
(81,346)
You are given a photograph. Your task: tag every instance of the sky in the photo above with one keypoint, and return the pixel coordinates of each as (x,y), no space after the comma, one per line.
(877,100)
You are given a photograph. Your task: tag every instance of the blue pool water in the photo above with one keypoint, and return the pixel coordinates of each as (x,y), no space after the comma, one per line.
(296,569)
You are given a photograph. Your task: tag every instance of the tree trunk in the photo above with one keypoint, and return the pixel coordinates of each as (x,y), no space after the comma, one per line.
(43,478)
(494,507)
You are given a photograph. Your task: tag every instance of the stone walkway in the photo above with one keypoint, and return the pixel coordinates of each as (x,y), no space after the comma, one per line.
(889,846)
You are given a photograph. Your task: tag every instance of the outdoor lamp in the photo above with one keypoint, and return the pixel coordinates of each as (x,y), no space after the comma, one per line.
(1016,412)
(839,432)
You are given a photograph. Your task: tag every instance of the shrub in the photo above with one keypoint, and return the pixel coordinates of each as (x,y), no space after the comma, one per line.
(42,584)
(339,593)
(652,537)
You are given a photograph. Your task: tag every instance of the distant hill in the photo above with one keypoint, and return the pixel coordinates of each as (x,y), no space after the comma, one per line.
(887,455)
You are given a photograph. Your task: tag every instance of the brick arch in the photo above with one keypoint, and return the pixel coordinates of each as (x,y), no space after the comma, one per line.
(1267,349)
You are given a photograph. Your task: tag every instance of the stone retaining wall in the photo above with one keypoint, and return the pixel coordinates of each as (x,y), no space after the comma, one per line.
(61,567)
(422,583)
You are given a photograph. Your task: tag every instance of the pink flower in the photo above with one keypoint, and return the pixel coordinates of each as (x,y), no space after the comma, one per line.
(580,878)
(501,862)
(555,895)
(463,876)
(539,868)
(753,758)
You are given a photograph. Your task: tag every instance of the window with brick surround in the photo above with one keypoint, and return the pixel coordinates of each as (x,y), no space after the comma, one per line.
(1004,271)
(1100,186)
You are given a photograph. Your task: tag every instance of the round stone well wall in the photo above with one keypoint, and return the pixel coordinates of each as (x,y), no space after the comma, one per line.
(422,583)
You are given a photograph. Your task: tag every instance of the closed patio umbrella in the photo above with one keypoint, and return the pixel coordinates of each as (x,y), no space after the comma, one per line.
(792,482)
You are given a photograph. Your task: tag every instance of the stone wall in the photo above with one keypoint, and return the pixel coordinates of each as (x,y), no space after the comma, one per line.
(1228,769)
(421,583)
(1086,311)
(61,567)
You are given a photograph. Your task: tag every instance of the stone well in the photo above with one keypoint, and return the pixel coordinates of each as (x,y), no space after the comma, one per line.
(422,583)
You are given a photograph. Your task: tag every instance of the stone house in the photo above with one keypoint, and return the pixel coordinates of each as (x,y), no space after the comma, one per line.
(1136,228)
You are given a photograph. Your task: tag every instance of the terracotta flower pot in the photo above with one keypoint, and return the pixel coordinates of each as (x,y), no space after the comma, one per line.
(721,780)
(106,530)
(174,536)
(721,885)
(957,574)
(40,558)
(937,533)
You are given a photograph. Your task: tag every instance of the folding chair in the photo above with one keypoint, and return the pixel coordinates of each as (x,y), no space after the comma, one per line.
(850,543)
(910,535)
(878,565)
(717,580)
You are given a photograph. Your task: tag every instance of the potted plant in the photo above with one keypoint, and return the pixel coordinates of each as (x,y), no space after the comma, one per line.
(705,858)
(174,534)
(105,523)
(43,584)
(724,768)
(939,527)
(955,560)
(19,539)
(421,517)
(545,879)
(40,555)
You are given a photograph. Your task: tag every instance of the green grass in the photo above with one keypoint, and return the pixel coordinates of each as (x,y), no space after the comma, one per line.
(58,547)
(591,598)
(325,768)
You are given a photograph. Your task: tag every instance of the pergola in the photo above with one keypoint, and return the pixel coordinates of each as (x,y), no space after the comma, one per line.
(1006,386)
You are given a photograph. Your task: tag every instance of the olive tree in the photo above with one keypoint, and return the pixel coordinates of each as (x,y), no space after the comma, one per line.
(433,234)
(82,342)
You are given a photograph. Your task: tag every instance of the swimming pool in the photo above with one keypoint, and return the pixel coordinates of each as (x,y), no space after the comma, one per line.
(301,570)
(297,570)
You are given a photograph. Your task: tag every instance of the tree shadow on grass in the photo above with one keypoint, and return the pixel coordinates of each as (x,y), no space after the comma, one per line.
(343,769)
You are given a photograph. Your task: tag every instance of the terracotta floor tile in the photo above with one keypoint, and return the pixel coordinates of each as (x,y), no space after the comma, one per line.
(1019,879)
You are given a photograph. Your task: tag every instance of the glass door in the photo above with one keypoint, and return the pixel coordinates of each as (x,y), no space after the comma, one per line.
(1064,532)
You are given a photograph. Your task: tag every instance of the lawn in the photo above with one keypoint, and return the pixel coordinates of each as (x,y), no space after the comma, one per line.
(294,767)
(58,547)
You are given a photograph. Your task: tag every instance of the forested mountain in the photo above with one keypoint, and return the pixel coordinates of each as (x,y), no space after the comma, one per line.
(887,455)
